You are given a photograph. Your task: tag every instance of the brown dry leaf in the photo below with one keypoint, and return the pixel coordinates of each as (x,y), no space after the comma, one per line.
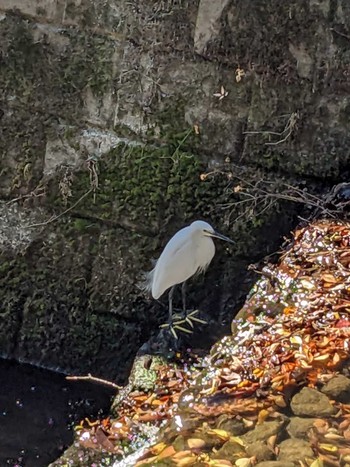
(182,455)
(329,278)
(150,460)
(321,426)
(102,439)
(289,310)
(344,425)
(195,443)
(167,452)
(221,463)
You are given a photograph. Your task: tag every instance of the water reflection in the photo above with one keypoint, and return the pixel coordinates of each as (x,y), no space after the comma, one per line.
(38,409)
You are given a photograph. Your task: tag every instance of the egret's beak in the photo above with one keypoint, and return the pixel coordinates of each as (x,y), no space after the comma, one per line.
(220,236)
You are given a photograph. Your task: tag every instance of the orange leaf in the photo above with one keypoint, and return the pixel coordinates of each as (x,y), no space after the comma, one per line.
(168,452)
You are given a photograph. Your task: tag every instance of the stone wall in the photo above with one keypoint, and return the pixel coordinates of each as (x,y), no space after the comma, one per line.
(137,117)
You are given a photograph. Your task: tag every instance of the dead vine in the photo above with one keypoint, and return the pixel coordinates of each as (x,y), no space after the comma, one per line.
(283,135)
(257,197)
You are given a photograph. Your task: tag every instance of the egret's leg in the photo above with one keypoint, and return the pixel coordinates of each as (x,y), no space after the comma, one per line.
(183,293)
(171,293)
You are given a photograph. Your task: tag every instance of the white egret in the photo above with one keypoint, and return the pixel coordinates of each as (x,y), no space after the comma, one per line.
(188,252)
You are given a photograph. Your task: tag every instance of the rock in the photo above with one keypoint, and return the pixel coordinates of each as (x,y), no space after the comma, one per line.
(260,451)
(231,425)
(275,464)
(15,235)
(230,450)
(263,432)
(298,426)
(208,23)
(303,59)
(59,153)
(338,388)
(311,403)
(294,450)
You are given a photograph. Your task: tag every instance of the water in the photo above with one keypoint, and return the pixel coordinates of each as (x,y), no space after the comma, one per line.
(38,409)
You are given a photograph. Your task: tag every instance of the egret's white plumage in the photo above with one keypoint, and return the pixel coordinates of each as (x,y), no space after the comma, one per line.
(189,251)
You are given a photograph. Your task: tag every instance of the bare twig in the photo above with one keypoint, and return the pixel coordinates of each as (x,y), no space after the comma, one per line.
(340,33)
(285,133)
(259,196)
(34,194)
(54,218)
(93,379)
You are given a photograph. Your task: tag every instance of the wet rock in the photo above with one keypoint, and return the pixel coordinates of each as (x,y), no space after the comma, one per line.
(298,426)
(338,388)
(311,403)
(263,432)
(230,450)
(231,425)
(260,451)
(294,450)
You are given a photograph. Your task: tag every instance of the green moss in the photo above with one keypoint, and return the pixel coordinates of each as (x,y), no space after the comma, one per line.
(43,83)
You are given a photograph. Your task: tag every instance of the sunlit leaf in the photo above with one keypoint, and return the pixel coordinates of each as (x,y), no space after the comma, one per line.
(317,463)
(195,443)
(167,452)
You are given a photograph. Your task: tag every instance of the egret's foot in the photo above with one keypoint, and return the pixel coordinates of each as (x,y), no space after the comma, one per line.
(176,326)
(192,317)
(178,320)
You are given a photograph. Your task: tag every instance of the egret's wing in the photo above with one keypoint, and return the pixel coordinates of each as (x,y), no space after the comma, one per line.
(176,263)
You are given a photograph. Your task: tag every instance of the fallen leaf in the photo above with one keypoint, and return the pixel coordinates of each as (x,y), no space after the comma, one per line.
(195,443)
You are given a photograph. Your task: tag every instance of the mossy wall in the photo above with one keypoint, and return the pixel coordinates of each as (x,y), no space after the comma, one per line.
(114,113)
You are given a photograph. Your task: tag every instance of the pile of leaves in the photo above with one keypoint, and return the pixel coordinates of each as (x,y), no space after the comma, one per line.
(293,331)
(295,327)
(139,410)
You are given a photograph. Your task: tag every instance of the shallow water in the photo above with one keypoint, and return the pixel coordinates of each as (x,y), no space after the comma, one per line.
(38,409)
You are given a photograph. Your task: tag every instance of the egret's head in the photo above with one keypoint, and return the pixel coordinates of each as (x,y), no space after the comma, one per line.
(207,230)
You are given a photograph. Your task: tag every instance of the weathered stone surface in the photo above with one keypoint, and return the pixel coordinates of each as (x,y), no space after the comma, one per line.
(208,23)
(311,403)
(260,451)
(294,450)
(338,388)
(16,232)
(231,425)
(298,427)
(104,96)
(264,431)
(230,450)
